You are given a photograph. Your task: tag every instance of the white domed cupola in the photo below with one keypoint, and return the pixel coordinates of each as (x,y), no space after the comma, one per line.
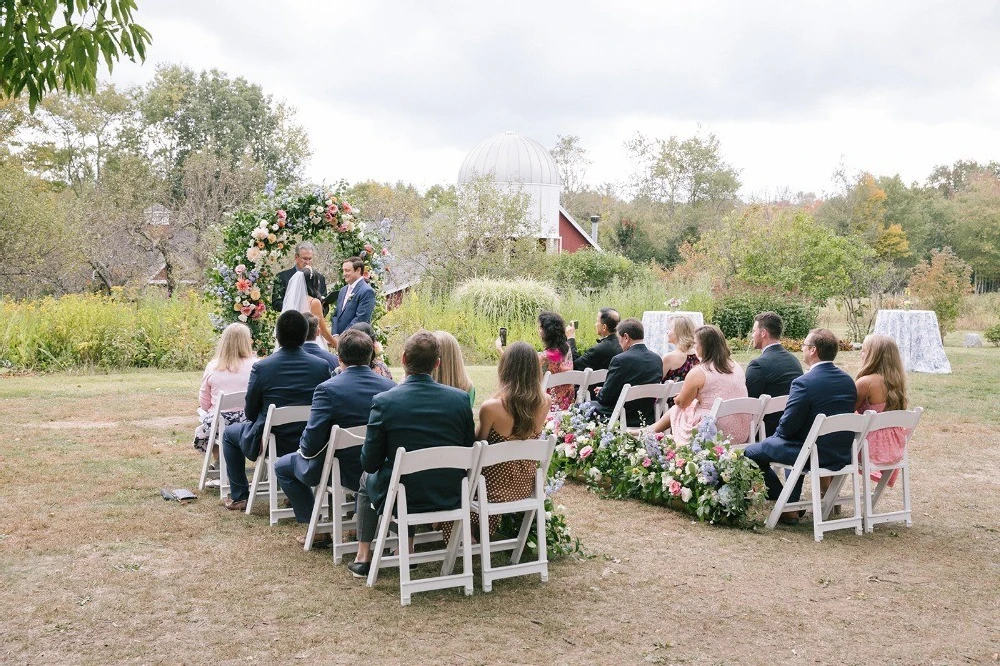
(518,161)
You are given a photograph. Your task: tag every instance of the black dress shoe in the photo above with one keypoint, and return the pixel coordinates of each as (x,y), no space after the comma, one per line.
(359,569)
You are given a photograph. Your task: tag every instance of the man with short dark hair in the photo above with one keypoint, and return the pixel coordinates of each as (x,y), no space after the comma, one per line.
(313,347)
(345,401)
(824,389)
(285,378)
(774,370)
(356,300)
(417,414)
(303,257)
(636,365)
(597,357)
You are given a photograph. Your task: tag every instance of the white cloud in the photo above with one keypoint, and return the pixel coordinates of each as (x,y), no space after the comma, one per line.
(401,91)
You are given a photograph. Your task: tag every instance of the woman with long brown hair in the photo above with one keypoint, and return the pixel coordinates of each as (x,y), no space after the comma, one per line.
(881,384)
(517,411)
(717,376)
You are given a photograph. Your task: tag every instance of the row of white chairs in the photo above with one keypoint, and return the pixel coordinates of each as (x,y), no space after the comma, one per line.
(582,380)
(865,496)
(334,504)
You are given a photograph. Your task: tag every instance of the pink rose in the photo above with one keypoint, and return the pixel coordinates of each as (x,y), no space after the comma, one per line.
(240,269)
(570,437)
(282,215)
(332,209)
(675,488)
(385,252)
(647,462)
(260,310)
(328,216)
(586,451)
(347,208)
(680,462)
(719,450)
(670,454)
(248,310)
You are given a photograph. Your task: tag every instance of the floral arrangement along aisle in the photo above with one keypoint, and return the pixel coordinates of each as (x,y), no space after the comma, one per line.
(258,238)
(707,477)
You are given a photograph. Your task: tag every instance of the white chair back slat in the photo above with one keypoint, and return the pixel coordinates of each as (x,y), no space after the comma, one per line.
(772,405)
(658,392)
(438,457)
(753,407)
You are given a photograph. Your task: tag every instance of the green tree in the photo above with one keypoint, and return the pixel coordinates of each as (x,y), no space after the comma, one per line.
(950,180)
(184,112)
(976,230)
(939,284)
(41,53)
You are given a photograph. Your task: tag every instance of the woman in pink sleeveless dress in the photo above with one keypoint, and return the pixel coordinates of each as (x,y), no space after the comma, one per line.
(717,376)
(881,383)
(556,357)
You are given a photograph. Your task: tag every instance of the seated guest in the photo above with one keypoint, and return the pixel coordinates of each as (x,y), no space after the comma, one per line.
(517,411)
(637,366)
(227,372)
(824,389)
(881,384)
(717,376)
(313,347)
(345,401)
(377,364)
(285,378)
(418,414)
(677,363)
(773,371)
(556,357)
(451,370)
(597,357)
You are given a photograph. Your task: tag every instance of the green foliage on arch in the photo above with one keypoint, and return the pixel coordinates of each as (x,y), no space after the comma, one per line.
(258,239)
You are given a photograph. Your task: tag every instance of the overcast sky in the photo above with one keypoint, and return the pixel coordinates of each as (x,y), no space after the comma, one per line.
(403,90)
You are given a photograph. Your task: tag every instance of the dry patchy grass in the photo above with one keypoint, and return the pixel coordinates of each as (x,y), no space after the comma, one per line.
(97,568)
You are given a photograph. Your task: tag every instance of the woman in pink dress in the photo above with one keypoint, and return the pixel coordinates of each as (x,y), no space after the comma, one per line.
(227,372)
(556,357)
(717,376)
(881,383)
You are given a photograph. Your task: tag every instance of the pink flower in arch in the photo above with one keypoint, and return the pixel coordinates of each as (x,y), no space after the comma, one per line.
(586,451)
(569,438)
(675,487)
(647,462)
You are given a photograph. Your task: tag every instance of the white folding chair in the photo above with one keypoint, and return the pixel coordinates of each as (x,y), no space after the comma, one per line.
(227,402)
(264,481)
(907,420)
(332,496)
(775,404)
(822,505)
(595,377)
(575,378)
(659,392)
(533,508)
(754,407)
(408,462)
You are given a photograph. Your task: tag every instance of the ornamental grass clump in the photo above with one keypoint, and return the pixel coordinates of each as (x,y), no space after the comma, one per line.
(503,301)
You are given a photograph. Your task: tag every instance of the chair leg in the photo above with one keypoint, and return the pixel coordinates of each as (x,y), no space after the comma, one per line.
(223,474)
(831,495)
(522,537)
(485,548)
(786,491)
(402,528)
(905,477)
(272,491)
(383,530)
(467,547)
(321,492)
(204,466)
(866,490)
(543,555)
(817,506)
(856,486)
(258,473)
(451,553)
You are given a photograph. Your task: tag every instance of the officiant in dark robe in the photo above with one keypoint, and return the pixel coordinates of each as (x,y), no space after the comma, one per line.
(303,257)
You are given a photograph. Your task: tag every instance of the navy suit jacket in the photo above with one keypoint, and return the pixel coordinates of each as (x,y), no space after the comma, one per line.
(417,414)
(359,308)
(637,366)
(317,350)
(345,401)
(772,373)
(597,357)
(285,378)
(825,389)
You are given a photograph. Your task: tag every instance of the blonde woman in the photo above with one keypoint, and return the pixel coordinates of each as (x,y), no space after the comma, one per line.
(678,363)
(227,372)
(881,384)
(451,371)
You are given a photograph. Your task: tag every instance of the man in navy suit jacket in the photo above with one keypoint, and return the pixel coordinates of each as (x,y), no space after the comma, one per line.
(824,389)
(417,414)
(637,366)
(356,300)
(313,347)
(345,401)
(774,370)
(287,377)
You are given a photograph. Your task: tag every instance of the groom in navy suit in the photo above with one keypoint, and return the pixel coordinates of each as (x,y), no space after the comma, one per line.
(285,378)
(356,300)
(824,389)
(345,401)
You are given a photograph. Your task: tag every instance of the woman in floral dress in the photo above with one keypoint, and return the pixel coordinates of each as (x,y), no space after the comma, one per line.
(556,357)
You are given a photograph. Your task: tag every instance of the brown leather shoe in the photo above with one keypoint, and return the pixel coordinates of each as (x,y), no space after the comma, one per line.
(240,505)
(790,517)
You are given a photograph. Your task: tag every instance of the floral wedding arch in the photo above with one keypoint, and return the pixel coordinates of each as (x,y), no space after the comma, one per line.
(258,239)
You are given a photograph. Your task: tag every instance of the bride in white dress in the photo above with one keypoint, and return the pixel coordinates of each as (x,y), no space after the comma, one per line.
(303,295)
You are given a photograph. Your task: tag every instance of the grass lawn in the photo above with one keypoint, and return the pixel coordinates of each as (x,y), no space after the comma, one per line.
(97,568)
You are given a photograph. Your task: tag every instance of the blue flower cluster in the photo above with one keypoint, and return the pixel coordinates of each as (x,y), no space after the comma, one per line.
(706,433)
(708,474)
(654,450)
(554,485)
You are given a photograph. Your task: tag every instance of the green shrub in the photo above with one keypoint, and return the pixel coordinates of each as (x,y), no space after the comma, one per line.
(589,269)
(505,301)
(993,334)
(95,331)
(735,312)
(939,284)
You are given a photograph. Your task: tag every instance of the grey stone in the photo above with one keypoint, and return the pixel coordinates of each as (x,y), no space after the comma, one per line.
(973,340)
